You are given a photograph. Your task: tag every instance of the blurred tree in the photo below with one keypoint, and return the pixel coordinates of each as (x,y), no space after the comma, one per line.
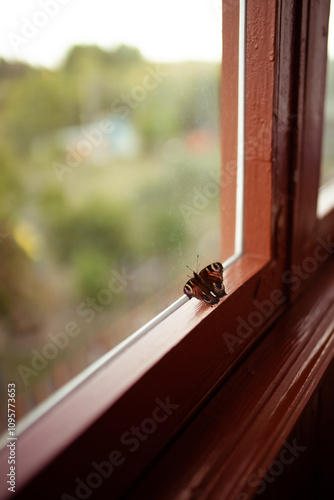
(11,187)
(80,58)
(40,102)
(23,296)
(9,70)
(89,236)
(97,232)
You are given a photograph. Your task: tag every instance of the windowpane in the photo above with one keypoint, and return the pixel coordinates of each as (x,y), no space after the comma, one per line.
(110,153)
(325,200)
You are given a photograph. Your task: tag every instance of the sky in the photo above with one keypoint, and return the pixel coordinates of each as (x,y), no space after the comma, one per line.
(41,31)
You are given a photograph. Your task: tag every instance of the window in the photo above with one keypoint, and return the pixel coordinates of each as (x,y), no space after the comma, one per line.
(178,364)
(308,223)
(325,200)
(111,176)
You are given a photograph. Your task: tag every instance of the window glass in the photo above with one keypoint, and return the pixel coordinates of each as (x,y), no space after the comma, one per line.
(110,179)
(325,199)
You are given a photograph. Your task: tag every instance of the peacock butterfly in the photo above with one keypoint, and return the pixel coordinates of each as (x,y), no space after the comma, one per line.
(207,285)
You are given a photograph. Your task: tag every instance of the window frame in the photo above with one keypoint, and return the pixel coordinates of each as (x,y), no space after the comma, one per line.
(185,358)
(307,227)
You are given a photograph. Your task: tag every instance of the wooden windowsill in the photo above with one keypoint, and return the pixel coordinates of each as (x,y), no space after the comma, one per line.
(243,427)
(122,390)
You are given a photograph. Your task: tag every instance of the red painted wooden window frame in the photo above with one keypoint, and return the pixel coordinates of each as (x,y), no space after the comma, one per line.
(184,359)
(306,226)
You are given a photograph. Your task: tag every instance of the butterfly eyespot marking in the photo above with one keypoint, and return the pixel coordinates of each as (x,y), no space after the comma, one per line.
(207,285)
(216,266)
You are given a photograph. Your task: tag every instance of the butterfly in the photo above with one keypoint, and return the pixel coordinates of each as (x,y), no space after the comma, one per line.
(207,285)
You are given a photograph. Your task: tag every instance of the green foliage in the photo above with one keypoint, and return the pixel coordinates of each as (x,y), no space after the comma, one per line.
(95,226)
(8,71)
(96,219)
(37,104)
(87,240)
(64,237)
(11,188)
(82,57)
(168,231)
(92,79)
(91,270)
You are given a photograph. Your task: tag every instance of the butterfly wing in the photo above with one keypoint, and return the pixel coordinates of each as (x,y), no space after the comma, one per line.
(207,285)
(197,289)
(212,277)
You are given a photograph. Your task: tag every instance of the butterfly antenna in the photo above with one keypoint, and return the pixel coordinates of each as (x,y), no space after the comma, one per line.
(197,263)
(190,270)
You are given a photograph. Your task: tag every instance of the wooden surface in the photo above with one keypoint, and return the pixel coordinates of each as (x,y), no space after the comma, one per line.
(258,125)
(182,358)
(260,75)
(243,428)
(310,476)
(229,126)
(310,93)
